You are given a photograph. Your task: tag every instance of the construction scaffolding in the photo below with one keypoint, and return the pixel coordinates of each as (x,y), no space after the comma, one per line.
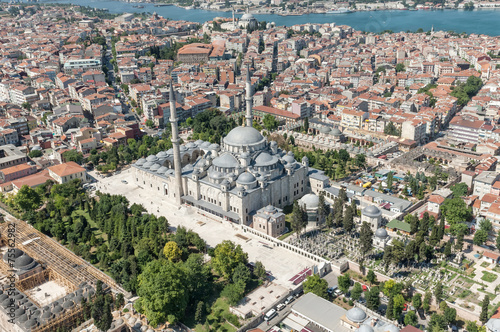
(52,255)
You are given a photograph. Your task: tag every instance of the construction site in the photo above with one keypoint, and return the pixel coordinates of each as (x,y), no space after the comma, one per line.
(42,283)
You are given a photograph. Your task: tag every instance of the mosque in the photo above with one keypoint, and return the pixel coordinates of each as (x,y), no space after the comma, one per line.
(231,180)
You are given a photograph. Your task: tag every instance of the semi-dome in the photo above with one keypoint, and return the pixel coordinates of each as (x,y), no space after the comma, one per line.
(381,233)
(265,159)
(356,315)
(246,178)
(226,160)
(324,130)
(243,136)
(365,328)
(371,211)
(311,201)
(148,164)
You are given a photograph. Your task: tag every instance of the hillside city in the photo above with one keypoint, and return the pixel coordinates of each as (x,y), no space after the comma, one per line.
(166,175)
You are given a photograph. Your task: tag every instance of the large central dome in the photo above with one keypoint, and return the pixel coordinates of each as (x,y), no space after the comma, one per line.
(243,136)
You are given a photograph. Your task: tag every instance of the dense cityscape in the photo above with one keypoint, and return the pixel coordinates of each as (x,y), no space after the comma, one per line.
(158,174)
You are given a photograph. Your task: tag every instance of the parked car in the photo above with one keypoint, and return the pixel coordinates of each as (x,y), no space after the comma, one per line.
(289,300)
(280,307)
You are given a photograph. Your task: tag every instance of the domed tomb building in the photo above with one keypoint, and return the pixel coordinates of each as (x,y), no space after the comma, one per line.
(232,180)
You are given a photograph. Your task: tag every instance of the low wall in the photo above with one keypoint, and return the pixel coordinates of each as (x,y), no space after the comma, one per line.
(279,243)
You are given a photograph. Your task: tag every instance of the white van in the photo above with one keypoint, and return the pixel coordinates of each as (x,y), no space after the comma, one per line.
(270,315)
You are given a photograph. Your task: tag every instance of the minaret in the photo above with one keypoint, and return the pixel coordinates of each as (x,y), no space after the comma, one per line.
(178,191)
(249,100)
(234,22)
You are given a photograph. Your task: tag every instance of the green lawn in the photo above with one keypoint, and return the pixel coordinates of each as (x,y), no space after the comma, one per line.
(221,306)
(485,264)
(489,277)
(97,232)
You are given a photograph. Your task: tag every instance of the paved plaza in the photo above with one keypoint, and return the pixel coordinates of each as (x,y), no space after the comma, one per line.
(283,264)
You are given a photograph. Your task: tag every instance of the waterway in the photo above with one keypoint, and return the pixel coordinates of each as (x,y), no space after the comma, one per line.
(482,21)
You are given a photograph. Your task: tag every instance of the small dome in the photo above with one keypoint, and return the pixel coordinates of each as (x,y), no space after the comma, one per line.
(68,304)
(148,164)
(58,309)
(140,162)
(324,130)
(24,262)
(182,148)
(162,154)
(247,17)
(3,297)
(335,132)
(311,201)
(365,328)
(16,253)
(214,146)
(391,328)
(19,312)
(190,145)
(155,167)
(240,136)
(270,209)
(216,175)
(246,178)
(30,323)
(371,211)
(356,315)
(23,318)
(198,142)
(381,233)
(152,158)
(265,159)
(226,161)
(205,145)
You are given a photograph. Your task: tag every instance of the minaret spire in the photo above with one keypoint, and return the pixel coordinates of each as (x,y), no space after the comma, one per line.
(178,191)
(249,99)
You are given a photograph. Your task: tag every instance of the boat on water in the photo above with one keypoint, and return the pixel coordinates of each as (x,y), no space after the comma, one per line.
(413,9)
(189,7)
(138,6)
(340,11)
(163,4)
(289,14)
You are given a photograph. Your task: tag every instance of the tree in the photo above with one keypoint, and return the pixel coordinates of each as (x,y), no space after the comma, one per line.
(162,290)
(241,274)
(399,303)
(270,122)
(372,298)
(390,180)
(149,123)
(480,237)
(450,315)
(73,155)
(438,292)
(371,277)
(427,302)
(200,308)
(447,249)
(411,318)
(26,105)
(498,241)
(35,153)
(316,285)
(366,238)
(172,252)
(348,222)
(234,292)
(226,258)
(460,241)
(459,189)
(344,282)
(306,124)
(400,67)
(297,222)
(455,210)
(259,270)
(437,323)
(120,300)
(417,301)
(389,313)
(322,208)
(483,317)
(356,291)
(27,199)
